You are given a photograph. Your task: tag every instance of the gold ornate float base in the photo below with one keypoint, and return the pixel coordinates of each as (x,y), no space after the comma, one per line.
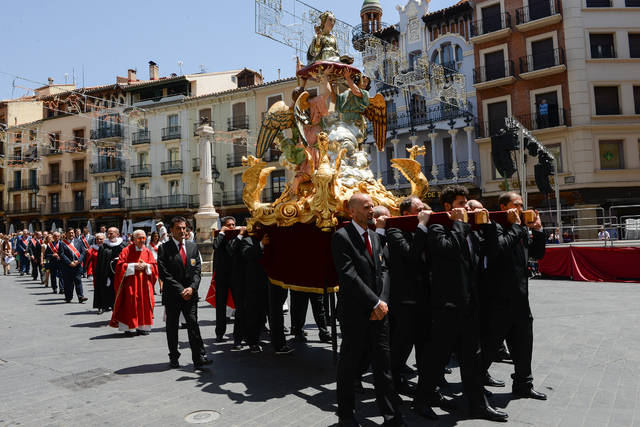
(322,200)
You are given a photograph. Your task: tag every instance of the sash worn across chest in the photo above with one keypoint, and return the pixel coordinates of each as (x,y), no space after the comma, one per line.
(73,249)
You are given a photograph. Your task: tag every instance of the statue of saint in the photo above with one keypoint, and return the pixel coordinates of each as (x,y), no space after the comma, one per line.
(324,46)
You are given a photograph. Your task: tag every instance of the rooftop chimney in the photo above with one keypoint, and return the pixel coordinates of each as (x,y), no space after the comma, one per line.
(131,75)
(153,71)
(50,81)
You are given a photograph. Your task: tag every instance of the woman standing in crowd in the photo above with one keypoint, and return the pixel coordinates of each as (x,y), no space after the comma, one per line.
(7,254)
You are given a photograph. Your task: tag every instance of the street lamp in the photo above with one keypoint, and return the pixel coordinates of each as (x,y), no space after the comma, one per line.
(121,182)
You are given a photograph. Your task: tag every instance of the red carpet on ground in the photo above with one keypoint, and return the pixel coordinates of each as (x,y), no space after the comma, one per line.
(590,264)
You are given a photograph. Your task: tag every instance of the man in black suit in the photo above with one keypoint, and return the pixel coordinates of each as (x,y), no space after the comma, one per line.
(510,315)
(179,265)
(34,251)
(362,310)
(223,268)
(455,258)
(408,297)
(256,289)
(71,261)
(52,255)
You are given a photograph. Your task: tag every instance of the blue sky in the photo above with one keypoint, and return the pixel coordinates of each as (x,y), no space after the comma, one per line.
(48,39)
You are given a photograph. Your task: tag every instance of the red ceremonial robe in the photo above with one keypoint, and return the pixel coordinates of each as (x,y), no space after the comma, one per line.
(92,257)
(134,294)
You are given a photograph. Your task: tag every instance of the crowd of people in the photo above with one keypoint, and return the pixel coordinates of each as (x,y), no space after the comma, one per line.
(442,290)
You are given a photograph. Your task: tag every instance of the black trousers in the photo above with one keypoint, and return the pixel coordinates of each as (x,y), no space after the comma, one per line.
(277,297)
(222,293)
(256,307)
(453,328)
(409,328)
(72,279)
(35,269)
(55,275)
(189,310)
(299,306)
(513,322)
(240,319)
(358,339)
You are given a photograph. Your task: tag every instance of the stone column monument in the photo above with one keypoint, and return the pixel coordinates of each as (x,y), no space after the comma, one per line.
(207,217)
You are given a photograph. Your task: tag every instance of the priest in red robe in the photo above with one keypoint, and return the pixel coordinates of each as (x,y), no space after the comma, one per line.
(135,274)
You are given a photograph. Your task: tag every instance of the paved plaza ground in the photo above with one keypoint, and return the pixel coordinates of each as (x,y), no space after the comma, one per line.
(61,365)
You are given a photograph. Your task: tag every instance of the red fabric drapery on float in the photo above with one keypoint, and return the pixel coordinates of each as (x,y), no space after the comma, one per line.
(590,264)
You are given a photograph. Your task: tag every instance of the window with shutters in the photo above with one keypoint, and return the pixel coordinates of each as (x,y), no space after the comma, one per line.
(496,111)
(606,100)
(556,151)
(277,183)
(636,99)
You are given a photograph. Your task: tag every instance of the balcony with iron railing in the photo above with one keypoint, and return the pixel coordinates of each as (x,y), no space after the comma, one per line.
(141,137)
(177,201)
(76,206)
(491,75)
(536,121)
(51,179)
(75,176)
(542,64)
(237,123)
(171,167)
(424,116)
(195,163)
(140,171)
(108,165)
(51,151)
(171,132)
(235,159)
(22,209)
(537,14)
(24,185)
(107,132)
(109,203)
(632,3)
(491,27)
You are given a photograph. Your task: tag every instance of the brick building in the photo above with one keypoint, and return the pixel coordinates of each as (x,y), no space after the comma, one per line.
(520,71)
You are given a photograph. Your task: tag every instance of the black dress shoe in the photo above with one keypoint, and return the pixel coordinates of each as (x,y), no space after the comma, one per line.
(503,355)
(81,300)
(528,393)
(129,334)
(174,364)
(425,411)
(325,338)
(255,348)
(358,387)
(301,338)
(199,364)
(492,382)
(448,371)
(141,332)
(490,414)
(443,403)
(220,339)
(405,387)
(285,349)
(348,422)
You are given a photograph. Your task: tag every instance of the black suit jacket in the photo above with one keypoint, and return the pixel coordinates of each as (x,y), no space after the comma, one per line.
(67,256)
(508,267)
(174,274)
(35,249)
(223,258)
(364,279)
(254,274)
(454,267)
(407,266)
